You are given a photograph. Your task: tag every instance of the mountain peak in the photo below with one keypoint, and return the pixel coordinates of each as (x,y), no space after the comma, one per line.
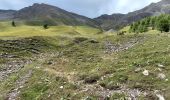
(41,4)
(52,15)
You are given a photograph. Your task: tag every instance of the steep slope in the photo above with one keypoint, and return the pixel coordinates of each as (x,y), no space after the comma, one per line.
(52,15)
(108,21)
(154,9)
(6,14)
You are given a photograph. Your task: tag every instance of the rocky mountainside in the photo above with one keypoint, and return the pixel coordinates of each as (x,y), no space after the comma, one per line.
(43,13)
(37,14)
(52,15)
(154,9)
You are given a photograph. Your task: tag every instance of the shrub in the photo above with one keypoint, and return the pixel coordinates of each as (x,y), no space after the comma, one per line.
(80,39)
(13,24)
(45,26)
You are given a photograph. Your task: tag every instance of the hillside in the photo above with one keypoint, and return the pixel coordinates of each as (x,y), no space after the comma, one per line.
(6,14)
(109,21)
(153,9)
(75,62)
(52,15)
(73,59)
(38,14)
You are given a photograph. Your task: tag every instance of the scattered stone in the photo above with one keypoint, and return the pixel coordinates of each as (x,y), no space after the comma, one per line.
(94,41)
(61,87)
(166,80)
(110,47)
(160,69)
(160,97)
(20,84)
(38,67)
(87,98)
(46,80)
(161,76)
(161,66)
(146,73)
(50,63)
(137,70)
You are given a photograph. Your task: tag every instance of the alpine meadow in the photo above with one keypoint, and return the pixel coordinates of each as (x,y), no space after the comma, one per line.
(48,53)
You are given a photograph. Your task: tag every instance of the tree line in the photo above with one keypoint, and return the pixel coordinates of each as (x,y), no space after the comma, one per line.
(161,23)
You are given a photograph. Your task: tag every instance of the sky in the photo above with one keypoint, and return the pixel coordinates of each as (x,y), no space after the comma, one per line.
(89,8)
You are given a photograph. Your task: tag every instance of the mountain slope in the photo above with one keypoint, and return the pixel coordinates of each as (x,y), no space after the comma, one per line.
(107,21)
(154,9)
(52,15)
(6,14)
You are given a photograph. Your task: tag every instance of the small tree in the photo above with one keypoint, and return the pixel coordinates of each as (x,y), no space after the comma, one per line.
(45,26)
(13,24)
(163,25)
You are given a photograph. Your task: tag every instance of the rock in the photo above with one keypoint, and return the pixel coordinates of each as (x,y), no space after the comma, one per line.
(87,98)
(161,76)
(159,69)
(166,80)
(38,67)
(137,70)
(160,97)
(50,63)
(161,66)
(94,41)
(61,87)
(146,73)
(46,80)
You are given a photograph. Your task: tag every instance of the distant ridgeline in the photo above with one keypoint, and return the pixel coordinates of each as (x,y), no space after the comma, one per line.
(161,23)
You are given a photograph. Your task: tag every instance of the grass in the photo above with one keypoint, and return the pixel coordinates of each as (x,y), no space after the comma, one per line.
(75,54)
(29,31)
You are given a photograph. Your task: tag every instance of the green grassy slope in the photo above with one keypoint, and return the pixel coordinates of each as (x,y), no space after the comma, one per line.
(29,31)
(65,62)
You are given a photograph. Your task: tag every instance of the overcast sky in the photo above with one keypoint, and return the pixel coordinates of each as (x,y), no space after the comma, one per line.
(89,8)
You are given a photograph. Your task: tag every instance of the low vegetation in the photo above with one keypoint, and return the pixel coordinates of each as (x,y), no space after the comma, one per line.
(161,23)
(76,62)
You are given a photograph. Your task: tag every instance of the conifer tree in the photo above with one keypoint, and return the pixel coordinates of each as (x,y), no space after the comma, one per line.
(13,24)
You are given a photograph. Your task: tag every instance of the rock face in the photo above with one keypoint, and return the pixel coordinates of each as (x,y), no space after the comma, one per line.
(154,9)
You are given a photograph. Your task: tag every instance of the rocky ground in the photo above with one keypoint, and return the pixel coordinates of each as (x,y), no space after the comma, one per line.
(91,85)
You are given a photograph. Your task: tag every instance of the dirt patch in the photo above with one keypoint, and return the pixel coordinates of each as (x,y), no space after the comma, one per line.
(12,67)
(111,48)
(13,94)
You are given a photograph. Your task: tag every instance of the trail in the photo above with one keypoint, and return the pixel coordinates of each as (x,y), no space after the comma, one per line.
(19,85)
(12,67)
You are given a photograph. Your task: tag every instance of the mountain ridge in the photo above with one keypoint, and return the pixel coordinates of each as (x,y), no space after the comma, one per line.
(153,9)
(52,15)
(37,14)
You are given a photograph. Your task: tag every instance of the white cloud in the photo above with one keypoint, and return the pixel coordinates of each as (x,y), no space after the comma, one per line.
(90,8)
(125,6)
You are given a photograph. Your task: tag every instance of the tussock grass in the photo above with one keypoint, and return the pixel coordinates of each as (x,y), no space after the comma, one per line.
(76,54)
